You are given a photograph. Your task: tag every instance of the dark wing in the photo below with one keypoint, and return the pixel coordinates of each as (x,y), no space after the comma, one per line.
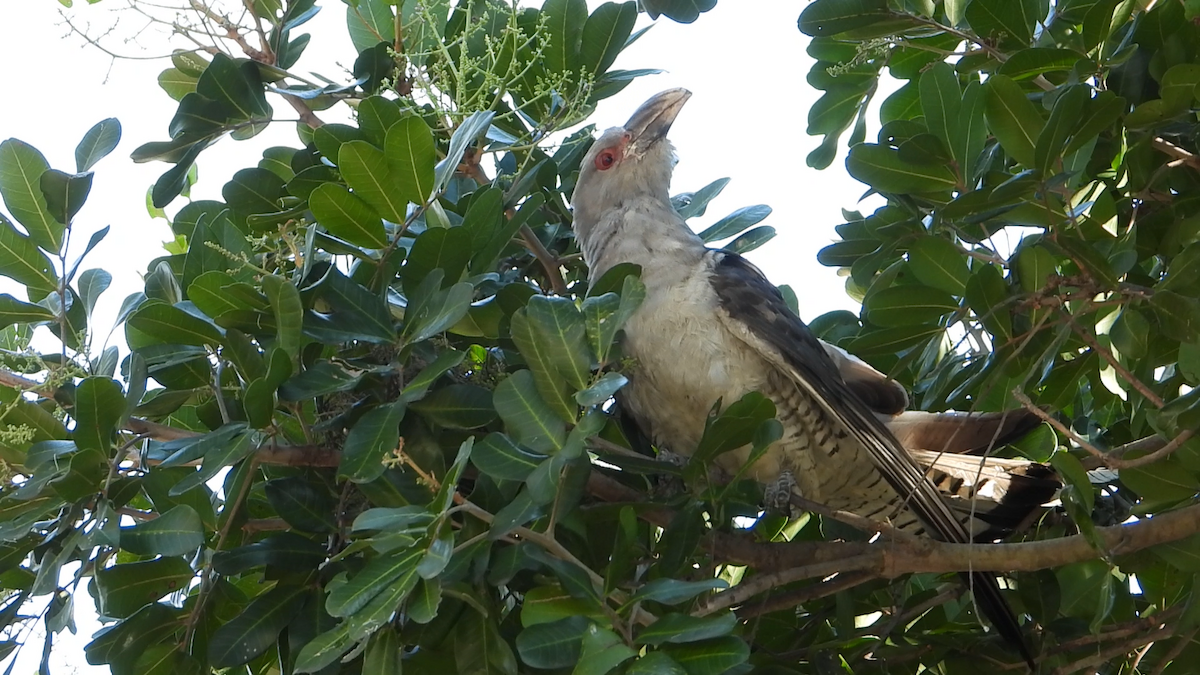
(754,311)
(881,393)
(962,433)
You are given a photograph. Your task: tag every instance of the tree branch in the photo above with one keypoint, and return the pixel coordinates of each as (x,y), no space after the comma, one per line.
(1109,459)
(892,558)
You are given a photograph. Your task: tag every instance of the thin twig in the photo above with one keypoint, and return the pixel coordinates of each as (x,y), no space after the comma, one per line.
(1180,644)
(1107,355)
(1109,459)
(800,596)
(547,260)
(1089,663)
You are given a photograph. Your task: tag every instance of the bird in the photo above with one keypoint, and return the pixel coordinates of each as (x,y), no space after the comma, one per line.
(712,328)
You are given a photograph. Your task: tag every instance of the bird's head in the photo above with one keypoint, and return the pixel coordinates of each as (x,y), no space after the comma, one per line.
(630,161)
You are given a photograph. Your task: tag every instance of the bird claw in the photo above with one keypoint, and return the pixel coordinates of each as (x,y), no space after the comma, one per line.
(777,495)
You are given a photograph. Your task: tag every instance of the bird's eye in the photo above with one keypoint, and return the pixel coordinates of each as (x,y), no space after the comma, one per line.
(605,160)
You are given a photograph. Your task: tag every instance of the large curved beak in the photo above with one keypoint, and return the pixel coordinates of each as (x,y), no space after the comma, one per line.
(652,121)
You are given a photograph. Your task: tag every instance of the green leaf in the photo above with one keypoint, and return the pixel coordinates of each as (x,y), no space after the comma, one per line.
(370,22)
(735,223)
(423,603)
(347,216)
(734,426)
(448,249)
(499,457)
(683,11)
(257,628)
(938,263)
(393,519)
(1081,583)
(941,101)
(655,663)
(176,532)
(602,390)
(1012,118)
(1131,333)
(1011,19)
(367,172)
(64,193)
(21,169)
(750,240)
(825,18)
(1178,315)
(526,415)
(355,305)
(99,405)
(1179,86)
(551,385)
(692,204)
(457,406)
(674,591)
(710,657)
(909,305)
(216,459)
(100,140)
(681,628)
(1029,63)
(284,550)
(23,262)
(471,128)
(883,341)
(553,645)
(303,503)
(14,311)
(327,647)
(92,283)
(172,325)
(604,35)
(602,651)
(371,439)
(986,294)
(125,588)
(288,310)
(411,154)
(1034,265)
(352,596)
(559,330)
(1064,120)
(565,21)
(446,308)
(419,385)
(384,651)
(176,83)
(881,168)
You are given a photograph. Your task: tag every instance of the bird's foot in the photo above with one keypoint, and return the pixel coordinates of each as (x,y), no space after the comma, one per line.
(777,495)
(666,485)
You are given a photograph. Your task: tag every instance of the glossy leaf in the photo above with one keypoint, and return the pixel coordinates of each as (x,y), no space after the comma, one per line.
(526,415)
(883,169)
(100,140)
(371,439)
(411,155)
(347,216)
(257,628)
(176,532)
(21,169)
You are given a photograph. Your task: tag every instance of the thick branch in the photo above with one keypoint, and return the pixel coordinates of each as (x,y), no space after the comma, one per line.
(892,558)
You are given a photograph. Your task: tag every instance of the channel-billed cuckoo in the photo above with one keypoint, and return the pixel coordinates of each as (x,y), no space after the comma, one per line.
(712,328)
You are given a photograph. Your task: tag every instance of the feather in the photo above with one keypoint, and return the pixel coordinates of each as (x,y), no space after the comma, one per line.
(752,309)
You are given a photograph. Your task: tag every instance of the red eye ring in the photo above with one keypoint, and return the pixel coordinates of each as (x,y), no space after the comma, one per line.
(605,160)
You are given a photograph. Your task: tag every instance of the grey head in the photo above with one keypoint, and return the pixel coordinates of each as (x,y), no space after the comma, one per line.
(628,162)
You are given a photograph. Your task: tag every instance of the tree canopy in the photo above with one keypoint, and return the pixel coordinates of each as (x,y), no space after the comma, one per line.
(362,418)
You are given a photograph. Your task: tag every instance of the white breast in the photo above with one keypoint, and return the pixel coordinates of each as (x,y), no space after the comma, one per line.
(686,360)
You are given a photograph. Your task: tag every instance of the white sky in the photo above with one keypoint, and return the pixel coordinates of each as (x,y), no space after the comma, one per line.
(744,62)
